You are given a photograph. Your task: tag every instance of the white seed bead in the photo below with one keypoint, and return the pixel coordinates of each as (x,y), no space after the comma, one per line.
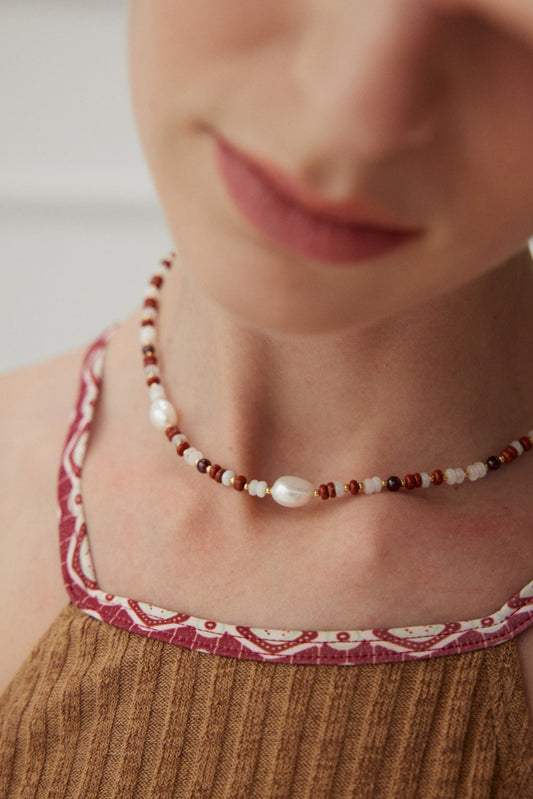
(162,414)
(481,469)
(426,480)
(292,492)
(261,489)
(518,447)
(252,488)
(227,476)
(192,455)
(449,476)
(339,488)
(472,473)
(178,439)
(156,391)
(459,476)
(151,293)
(151,370)
(147,335)
(149,313)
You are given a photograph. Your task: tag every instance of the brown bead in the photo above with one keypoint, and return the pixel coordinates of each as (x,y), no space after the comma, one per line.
(410,481)
(150,360)
(180,449)
(172,431)
(151,380)
(239,483)
(323,491)
(526,443)
(513,451)
(354,487)
(213,471)
(218,474)
(148,350)
(438,477)
(157,281)
(507,455)
(147,323)
(166,262)
(150,302)
(203,465)
(331,490)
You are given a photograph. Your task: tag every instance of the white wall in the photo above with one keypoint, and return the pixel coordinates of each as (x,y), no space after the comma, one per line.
(80,228)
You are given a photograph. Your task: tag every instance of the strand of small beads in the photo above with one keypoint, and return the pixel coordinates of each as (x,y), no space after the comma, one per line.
(289,491)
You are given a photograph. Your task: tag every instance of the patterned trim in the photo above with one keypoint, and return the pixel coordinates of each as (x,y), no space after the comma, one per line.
(278,646)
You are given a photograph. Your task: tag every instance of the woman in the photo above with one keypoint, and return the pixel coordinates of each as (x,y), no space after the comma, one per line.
(350,189)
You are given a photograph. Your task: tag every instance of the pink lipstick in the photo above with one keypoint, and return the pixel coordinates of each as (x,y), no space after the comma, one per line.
(322,230)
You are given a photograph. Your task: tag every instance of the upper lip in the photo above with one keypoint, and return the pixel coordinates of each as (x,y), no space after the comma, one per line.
(351,210)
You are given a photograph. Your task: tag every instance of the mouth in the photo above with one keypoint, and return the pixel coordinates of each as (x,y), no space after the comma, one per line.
(329,231)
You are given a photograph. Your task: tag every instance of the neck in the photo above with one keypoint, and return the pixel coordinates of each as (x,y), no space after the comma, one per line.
(439,386)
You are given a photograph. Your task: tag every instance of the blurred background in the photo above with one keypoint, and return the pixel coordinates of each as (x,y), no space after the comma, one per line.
(80,227)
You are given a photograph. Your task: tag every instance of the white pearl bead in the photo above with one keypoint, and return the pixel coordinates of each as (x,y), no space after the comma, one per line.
(162,414)
(178,439)
(426,480)
(378,484)
(339,488)
(518,447)
(156,391)
(459,476)
(226,477)
(252,488)
(192,455)
(449,474)
(147,335)
(261,489)
(292,492)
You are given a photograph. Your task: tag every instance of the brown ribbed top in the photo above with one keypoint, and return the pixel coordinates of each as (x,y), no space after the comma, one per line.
(97,711)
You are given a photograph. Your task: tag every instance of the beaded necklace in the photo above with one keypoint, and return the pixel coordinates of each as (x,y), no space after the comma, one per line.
(289,491)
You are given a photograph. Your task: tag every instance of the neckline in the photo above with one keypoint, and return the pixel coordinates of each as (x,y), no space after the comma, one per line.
(326,647)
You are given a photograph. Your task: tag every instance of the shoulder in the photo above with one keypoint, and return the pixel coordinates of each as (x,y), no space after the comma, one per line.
(35,404)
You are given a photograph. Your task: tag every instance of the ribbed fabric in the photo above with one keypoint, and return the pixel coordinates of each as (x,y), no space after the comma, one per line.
(99,712)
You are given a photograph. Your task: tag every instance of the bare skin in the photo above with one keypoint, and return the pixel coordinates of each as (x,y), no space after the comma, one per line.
(412,362)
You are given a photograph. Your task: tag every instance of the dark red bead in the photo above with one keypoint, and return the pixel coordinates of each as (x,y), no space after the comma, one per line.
(166,262)
(151,303)
(172,431)
(354,487)
(151,380)
(507,455)
(218,474)
(150,360)
(394,483)
(418,479)
(239,483)
(148,350)
(147,323)
(203,465)
(213,470)
(493,463)
(157,281)
(410,481)
(526,443)
(513,451)
(331,490)
(180,449)
(438,477)
(323,491)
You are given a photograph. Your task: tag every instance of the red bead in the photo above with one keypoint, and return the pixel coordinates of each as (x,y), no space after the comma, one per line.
(507,455)
(354,487)
(239,483)
(180,449)
(157,281)
(438,477)
(331,490)
(151,380)
(526,443)
(323,491)
(218,474)
(213,470)
(394,483)
(147,323)
(410,481)
(150,360)
(166,262)
(513,451)
(151,303)
(172,431)
(418,479)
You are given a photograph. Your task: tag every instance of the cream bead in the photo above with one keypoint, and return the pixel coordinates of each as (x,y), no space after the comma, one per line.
(292,491)
(450,477)
(518,447)
(459,476)
(426,479)
(156,391)
(178,439)
(162,414)
(147,335)
(151,293)
(339,488)
(227,477)
(252,488)
(192,455)
(261,489)
(378,484)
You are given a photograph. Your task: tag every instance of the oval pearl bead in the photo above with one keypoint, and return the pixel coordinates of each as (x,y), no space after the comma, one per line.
(162,414)
(292,492)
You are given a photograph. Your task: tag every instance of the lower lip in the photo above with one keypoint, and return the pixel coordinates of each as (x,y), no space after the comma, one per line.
(305,232)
